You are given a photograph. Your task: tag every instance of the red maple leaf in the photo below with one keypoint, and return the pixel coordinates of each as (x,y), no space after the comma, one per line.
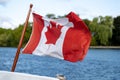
(53,33)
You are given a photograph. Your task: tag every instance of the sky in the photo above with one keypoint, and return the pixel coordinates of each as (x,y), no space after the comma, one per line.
(14,12)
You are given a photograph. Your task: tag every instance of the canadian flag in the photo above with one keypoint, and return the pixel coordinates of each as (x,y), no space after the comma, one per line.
(65,38)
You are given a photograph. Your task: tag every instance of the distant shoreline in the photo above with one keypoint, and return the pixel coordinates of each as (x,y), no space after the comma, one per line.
(105,47)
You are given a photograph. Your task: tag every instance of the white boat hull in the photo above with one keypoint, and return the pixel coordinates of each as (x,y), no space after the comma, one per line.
(5,75)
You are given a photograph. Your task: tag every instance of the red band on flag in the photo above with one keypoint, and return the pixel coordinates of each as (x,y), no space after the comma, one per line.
(38,25)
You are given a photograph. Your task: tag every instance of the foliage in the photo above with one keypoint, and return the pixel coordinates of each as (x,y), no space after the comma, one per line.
(11,38)
(87,22)
(52,16)
(102,30)
(116,31)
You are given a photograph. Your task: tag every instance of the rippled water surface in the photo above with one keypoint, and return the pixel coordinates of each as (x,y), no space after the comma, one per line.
(99,64)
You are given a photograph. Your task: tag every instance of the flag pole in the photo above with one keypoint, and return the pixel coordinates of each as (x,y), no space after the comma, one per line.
(21,40)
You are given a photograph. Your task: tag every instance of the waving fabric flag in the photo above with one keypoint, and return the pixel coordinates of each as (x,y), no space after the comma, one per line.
(65,38)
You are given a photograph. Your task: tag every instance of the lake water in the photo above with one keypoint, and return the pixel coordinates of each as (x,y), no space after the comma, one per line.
(99,64)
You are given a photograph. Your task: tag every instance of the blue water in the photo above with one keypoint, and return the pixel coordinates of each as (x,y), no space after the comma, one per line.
(99,64)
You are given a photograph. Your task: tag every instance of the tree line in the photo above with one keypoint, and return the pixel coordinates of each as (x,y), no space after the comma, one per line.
(105,31)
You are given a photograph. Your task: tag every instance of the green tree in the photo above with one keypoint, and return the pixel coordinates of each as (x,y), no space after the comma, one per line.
(17,34)
(87,22)
(27,34)
(52,16)
(116,31)
(2,30)
(10,38)
(101,28)
(93,26)
(5,37)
